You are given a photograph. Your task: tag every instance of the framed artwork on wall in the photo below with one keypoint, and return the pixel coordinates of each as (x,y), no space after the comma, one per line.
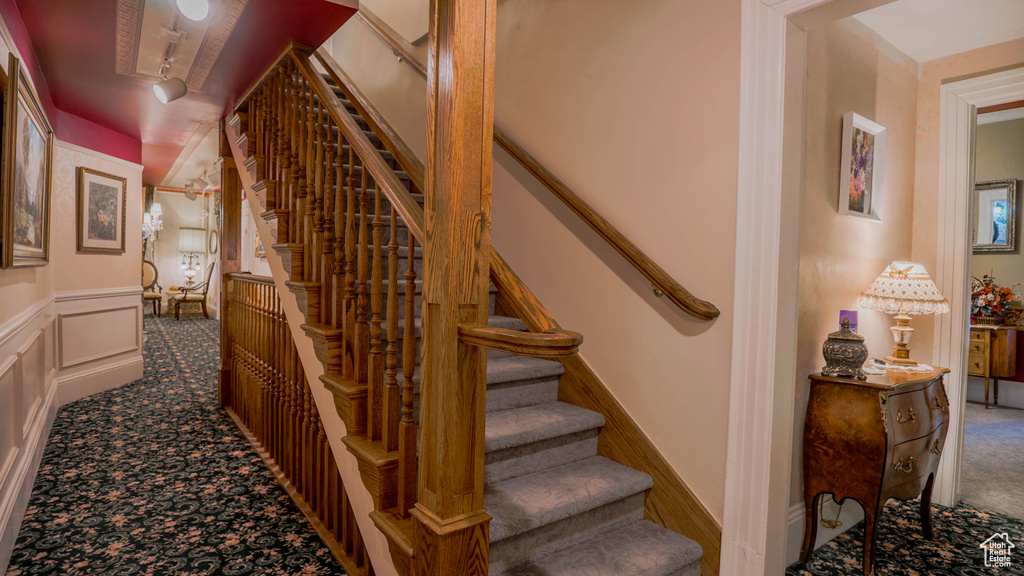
(25,165)
(101,218)
(258,243)
(862,171)
(995,207)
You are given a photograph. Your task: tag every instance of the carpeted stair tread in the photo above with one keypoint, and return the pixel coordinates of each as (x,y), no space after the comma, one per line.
(513,369)
(528,502)
(494,321)
(640,549)
(510,428)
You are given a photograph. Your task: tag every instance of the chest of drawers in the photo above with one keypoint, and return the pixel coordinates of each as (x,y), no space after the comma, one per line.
(871,441)
(992,354)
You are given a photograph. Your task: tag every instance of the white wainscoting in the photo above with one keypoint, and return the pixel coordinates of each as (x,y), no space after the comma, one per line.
(99,338)
(28,404)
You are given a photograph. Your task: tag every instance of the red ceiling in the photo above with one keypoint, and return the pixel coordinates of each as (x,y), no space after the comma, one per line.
(72,46)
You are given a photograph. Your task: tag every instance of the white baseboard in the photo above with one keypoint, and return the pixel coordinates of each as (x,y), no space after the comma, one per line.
(100,379)
(15,501)
(851,514)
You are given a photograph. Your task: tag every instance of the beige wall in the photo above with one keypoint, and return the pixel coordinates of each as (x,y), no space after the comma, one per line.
(933,75)
(849,68)
(76,271)
(648,135)
(999,155)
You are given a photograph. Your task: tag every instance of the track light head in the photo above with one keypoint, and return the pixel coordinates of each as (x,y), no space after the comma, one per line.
(196,10)
(169,89)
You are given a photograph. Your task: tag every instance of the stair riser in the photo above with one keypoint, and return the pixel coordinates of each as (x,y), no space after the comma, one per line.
(534,457)
(509,395)
(560,535)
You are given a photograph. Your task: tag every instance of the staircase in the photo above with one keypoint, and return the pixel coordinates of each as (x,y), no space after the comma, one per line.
(556,506)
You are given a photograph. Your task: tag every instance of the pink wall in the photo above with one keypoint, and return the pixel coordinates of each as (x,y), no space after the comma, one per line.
(934,74)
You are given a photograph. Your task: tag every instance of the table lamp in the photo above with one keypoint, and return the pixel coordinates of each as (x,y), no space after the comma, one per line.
(904,289)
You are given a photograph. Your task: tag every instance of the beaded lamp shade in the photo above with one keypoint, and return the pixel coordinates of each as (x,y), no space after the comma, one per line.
(904,289)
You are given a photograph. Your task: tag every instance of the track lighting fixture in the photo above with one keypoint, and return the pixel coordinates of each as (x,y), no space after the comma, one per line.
(169,89)
(196,10)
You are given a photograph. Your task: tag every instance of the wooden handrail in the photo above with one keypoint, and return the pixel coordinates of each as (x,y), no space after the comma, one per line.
(373,162)
(549,344)
(662,282)
(255,279)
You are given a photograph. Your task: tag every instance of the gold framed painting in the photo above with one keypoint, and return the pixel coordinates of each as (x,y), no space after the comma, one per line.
(24,174)
(100,215)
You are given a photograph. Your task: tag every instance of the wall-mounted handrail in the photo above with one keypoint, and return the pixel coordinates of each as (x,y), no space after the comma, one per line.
(662,282)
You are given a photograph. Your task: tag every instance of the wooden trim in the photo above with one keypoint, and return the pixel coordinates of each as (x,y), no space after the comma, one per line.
(286,53)
(1000,107)
(670,503)
(662,282)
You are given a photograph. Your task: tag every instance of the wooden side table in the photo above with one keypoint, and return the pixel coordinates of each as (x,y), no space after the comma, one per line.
(992,354)
(871,441)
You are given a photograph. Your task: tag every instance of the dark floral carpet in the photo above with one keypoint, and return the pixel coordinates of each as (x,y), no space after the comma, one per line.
(153,478)
(901,550)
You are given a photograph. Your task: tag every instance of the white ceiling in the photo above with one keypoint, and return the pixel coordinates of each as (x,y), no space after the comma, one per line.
(930,29)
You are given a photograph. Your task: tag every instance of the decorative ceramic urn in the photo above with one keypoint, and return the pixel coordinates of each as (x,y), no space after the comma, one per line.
(844,353)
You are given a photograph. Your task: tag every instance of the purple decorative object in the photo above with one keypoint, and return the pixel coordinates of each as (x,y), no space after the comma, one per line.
(852,315)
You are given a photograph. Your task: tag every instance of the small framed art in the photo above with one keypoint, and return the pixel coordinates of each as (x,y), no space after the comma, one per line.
(862,171)
(101,201)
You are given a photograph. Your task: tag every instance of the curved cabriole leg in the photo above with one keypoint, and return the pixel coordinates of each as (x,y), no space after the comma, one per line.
(926,508)
(810,527)
(871,517)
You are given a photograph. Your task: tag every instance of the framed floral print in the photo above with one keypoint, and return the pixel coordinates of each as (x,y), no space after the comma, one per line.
(25,165)
(100,214)
(862,172)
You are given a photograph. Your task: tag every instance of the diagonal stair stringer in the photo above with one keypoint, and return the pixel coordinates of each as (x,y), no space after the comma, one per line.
(362,503)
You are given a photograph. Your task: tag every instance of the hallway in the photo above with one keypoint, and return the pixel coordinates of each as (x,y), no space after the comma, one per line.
(154,478)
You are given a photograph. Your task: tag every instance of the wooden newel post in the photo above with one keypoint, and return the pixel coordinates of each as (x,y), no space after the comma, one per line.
(451,528)
(230,254)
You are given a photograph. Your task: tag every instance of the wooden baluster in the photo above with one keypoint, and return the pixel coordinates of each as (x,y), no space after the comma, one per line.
(361,303)
(314,453)
(298,187)
(327,257)
(350,271)
(290,426)
(375,391)
(333,495)
(392,400)
(279,144)
(339,235)
(407,427)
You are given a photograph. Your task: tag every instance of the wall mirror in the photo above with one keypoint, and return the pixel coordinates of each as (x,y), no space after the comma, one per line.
(995,204)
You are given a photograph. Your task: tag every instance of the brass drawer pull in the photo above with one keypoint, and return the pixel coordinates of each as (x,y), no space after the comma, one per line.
(908,467)
(911,416)
(937,403)
(936,448)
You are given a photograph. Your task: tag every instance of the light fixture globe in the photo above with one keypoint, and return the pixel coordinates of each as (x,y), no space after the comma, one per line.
(196,10)
(169,90)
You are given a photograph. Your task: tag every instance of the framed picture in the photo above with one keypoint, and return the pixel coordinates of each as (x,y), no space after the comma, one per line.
(862,172)
(101,201)
(995,223)
(24,174)
(213,241)
(258,243)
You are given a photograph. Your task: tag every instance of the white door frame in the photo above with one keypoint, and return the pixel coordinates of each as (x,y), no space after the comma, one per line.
(753,528)
(958,103)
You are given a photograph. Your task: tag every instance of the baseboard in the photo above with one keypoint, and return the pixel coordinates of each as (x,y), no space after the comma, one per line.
(851,514)
(100,379)
(14,502)
(1011,393)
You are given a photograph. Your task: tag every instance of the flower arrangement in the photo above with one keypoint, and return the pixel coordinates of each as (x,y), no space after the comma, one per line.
(990,299)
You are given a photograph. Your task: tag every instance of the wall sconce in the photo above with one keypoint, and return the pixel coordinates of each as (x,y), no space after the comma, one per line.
(191,243)
(151,222)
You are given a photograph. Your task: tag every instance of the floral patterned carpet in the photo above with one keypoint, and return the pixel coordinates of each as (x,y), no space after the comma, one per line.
(153,478)
(901,550)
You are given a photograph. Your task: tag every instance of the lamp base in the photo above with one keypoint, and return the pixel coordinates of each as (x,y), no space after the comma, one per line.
(901,333)
(900,361)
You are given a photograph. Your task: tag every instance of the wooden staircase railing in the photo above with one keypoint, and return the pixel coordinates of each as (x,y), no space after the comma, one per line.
(661,281)
(270,401)
(346,221)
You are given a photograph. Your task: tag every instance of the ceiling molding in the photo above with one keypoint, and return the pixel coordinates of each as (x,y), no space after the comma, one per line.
(126,45)
(214,42)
